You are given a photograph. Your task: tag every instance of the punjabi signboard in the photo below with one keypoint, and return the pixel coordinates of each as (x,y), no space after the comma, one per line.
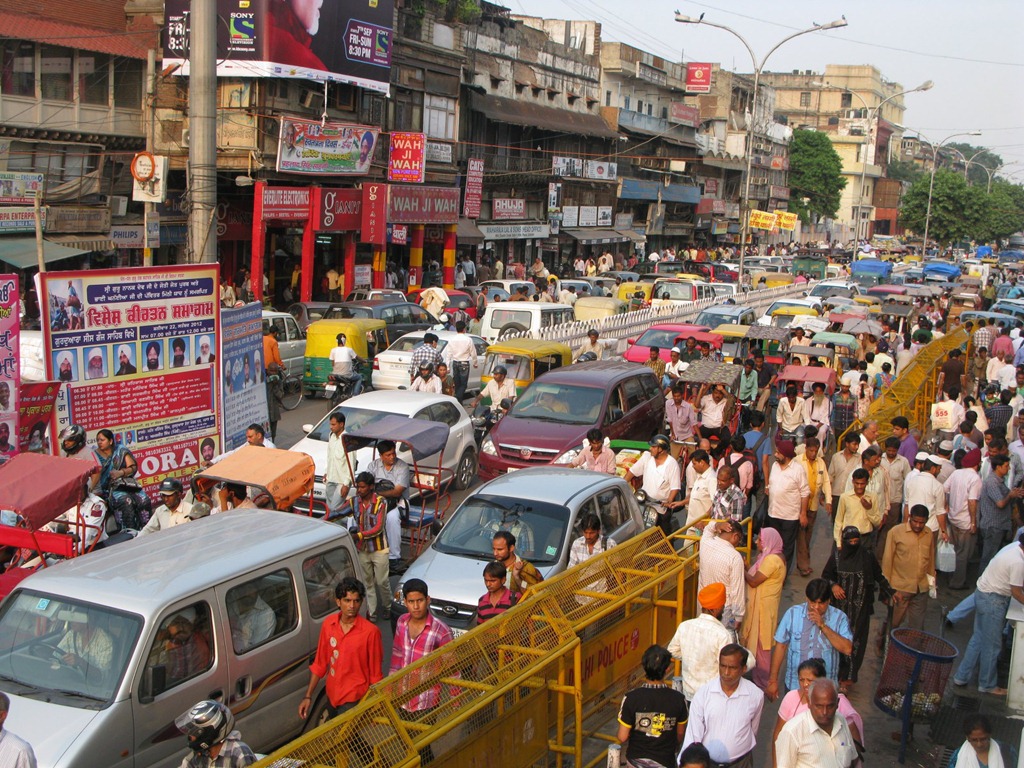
(10,376)
(331,149)
(245,391)
(137,349)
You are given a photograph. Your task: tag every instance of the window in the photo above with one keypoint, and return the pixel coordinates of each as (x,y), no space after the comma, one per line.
(650,107)
(55,73)
(407,111)
(664,113)
(182,648)
(625,102)
(294,334)
(607,98)
(846,100)
(321,574)
(639,106)
(128,75)
(613,509)
(260,610)
(634,392)
(94,78)
(439,117)
(18,62)
(446,413)
(805,99)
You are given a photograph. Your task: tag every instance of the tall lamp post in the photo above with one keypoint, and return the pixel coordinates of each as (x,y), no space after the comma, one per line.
(873,113)
(758,68)
(931,183)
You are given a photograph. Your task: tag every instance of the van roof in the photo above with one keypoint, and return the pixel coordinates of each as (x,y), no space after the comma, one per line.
(144,575)
(598,373)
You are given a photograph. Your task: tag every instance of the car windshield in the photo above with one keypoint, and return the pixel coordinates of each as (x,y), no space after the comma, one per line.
(560,403)
(355,418)
(539,528)
(658,337)
(783,304)
(674,291)
(711,318)
(62,650)
(409,343)
(348,313)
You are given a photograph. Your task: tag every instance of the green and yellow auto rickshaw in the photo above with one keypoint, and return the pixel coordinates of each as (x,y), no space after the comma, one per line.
(366,337)
(525,360)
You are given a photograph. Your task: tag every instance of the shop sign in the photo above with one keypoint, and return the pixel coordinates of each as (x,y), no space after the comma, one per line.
(76,218)
(786,221)
(567,166)
(515,231)
(780,163)
(439,152)
(508,208)
(474,188)
(732,210)
(233,222)
(600,170)
(698,77)
(398,234)
(623,221)
(423,205)
(684,114)
(570,216)
(779,193)
(407,158)
(328,149)
(128,237)
(374,216)
(711,187)
(152,229)
(285,203)
(604,216)
(362,275)
(19,188)
(711,205)
(719,227)
(588,215)
(338,210)
(20,219)
(762,220)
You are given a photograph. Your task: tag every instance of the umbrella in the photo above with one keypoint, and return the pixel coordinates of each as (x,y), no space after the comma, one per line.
(859,325)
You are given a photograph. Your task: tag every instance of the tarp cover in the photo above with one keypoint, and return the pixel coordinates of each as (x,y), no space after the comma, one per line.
(40,487)
(424,438)
(285,475)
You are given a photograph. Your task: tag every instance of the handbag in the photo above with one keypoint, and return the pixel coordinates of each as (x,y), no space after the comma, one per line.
(945,557)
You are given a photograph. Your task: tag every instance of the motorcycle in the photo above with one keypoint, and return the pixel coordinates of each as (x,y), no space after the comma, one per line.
(130,506)
(339,388)
(649,509)
(484,419)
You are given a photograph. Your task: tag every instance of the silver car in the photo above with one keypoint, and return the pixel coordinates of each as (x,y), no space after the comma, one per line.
(542,507)
(391,367)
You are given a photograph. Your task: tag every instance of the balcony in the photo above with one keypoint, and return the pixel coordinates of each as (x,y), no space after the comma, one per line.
(649,125)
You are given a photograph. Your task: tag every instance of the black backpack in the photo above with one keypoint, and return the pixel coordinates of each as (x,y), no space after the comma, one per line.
(750,454)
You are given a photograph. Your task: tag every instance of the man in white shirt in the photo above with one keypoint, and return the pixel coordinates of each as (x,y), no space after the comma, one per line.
(788,496)
(343,364)
(896,468)
(818,411)
(697,642)
(790,412)
(427,381)
(499,388)
(925,488)
(819,737)
(460,354)
(702,489)
(721,563)
(174,510)
(15,752)
(337,474)
(674,367)
(964,489)
(712,414)
(726,712)
(660,477)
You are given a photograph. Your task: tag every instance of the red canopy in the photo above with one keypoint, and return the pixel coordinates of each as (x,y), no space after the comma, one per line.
(40,487)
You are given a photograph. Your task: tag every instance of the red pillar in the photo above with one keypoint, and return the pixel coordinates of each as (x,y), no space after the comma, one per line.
(348,275)
(380,258)
(449,255)
(306,270)
(416,255)
(259,238)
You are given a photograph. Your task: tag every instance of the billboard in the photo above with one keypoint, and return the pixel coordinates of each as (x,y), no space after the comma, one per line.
(347,41)
(698,77)
(407,160)
(10,370)
(762,220)
(37,400)
(137,349)
(245,391)
(331,149)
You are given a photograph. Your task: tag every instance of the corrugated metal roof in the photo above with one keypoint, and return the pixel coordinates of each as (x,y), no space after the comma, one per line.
(504,110)
(131,44)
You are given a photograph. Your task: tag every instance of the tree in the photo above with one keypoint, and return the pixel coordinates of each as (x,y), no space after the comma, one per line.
(978,157)
(815,175)
(904,171)
(954,215)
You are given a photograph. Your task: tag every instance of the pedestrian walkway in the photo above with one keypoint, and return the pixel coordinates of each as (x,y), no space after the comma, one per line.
(930,747)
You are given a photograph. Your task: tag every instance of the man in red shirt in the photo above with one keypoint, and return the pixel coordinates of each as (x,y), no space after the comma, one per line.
(350,653)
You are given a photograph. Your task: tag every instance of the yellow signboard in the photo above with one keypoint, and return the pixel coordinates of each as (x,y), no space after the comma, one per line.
(786,220)
(762,220)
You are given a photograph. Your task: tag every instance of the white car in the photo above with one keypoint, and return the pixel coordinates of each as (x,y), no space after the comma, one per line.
(459,456)
(391,367)
(828,288)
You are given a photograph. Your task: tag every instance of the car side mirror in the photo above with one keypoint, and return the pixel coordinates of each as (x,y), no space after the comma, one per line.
(307,428)
(616,414)
(154,682)
(631,342)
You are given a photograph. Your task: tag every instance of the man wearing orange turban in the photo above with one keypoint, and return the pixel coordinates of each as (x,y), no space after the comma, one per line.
(702,638)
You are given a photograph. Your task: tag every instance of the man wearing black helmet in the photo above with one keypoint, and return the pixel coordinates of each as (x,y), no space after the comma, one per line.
(591,345)
(210,729)
(426,381)
(497,389)
(174,511)
(659,475)
(72,441)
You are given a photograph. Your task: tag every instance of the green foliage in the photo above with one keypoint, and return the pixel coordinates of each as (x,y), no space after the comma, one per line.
(904,171)
(981,157)
(963,212)
(464,11)
(815,174)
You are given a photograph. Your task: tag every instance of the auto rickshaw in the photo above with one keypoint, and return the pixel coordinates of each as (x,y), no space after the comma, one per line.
(771,280)
(844,352)
(279,477)
(525,359)
(812,265)
(887,290)
(734,340)
(596,307)
(960,303)
(769,340)
(805,377)
(637,295)
(365,336)
(784,317)
(873,303)
(900,316)
(704,374)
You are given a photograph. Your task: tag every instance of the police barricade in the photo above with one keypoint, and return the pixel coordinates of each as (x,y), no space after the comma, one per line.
(538,684)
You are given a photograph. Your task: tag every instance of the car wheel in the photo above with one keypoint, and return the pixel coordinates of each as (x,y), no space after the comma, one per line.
(465,473)
(509,328)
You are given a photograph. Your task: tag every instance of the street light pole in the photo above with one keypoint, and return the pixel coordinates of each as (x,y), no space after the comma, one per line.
(873,112)
(758,68)
(931,182)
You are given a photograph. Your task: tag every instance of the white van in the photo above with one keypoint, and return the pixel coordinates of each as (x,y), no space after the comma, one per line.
(247,590)
(505,317)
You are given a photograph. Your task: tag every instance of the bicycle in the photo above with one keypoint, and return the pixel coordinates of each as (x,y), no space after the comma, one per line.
(290,393)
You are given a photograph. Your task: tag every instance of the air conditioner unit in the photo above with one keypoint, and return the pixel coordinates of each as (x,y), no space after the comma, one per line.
(118,205)
(311,99)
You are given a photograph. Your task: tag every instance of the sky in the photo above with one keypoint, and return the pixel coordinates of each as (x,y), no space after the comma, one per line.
(972,51)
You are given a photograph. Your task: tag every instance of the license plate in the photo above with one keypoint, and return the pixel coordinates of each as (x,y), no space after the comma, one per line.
(330,389)
(456,632)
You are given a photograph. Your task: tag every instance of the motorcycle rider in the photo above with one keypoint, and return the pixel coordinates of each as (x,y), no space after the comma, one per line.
(426,381)
(344,361)
(174,510)
(497,389)
(210,729)
(72,441)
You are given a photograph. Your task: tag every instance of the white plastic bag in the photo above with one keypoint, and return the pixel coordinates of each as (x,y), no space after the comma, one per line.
(945,557)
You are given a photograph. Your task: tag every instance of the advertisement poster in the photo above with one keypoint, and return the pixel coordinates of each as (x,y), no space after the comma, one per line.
(346,41)
(19,188)
(474,188)
(10,375)
(245,390)
(35,413)
(333,149)
(137,349)
(787,221)
(762,220)
(698,77)
(407,160)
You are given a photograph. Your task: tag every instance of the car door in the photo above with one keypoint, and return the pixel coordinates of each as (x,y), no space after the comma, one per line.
(613,423)
(638,410)
(292,345)
(420,319)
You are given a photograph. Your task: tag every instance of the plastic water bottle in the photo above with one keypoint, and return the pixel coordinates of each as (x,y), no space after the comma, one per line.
(614,755)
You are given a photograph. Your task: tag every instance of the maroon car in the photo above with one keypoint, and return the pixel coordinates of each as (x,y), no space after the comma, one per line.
(549,421)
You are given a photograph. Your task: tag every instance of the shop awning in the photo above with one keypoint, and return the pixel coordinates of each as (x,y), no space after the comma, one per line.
(468,233)
(629,234)
(502,110)
(20,252)
(85,242)
(589,236)
(725,161)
